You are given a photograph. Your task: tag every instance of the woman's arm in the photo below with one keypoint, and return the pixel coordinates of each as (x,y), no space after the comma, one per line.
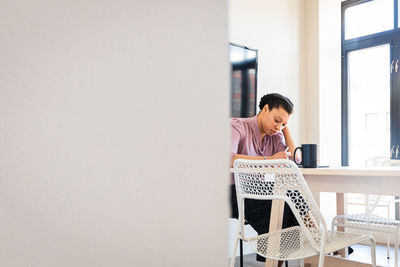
(289,140)
(279,155)
(239,156)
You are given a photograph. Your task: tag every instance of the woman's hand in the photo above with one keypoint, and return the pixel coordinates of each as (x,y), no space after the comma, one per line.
(280,155)
(289,140)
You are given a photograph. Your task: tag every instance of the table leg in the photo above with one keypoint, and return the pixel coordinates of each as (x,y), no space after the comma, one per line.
(340,203)
(316,196)
(275,223)
(340,211)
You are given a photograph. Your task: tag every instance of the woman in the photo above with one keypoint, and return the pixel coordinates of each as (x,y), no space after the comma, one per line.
(264,136)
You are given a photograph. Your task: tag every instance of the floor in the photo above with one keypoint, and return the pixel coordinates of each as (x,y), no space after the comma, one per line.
(361,253)
(250,261)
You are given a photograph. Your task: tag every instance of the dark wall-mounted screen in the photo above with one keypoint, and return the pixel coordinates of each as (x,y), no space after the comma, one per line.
(244,63)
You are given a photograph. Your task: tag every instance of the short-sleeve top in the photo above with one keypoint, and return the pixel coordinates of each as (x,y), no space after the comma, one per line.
(246,139)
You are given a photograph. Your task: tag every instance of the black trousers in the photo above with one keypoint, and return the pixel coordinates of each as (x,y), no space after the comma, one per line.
(258,212)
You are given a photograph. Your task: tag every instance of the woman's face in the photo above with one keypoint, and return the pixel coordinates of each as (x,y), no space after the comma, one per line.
(273,121)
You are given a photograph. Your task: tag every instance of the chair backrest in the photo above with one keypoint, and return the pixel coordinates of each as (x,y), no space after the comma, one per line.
(377,161)
(280,179)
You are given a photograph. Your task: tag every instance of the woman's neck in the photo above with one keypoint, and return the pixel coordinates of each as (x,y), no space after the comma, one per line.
(262,133)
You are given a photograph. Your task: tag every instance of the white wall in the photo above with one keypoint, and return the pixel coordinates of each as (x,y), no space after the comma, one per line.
(299,56)
(276,29)
(113,133)
(330,81)
(311,114)
(322,116)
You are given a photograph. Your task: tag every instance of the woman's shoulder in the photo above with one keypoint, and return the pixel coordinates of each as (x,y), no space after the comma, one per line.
(241,123)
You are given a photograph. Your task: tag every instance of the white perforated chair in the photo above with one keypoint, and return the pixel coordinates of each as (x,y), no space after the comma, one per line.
(368,221)
(373,223)
(282,180)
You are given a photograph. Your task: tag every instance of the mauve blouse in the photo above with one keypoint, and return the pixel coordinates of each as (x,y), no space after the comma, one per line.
(246,139)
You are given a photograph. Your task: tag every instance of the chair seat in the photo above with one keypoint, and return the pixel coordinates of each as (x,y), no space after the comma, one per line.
(367,221)
(294,244)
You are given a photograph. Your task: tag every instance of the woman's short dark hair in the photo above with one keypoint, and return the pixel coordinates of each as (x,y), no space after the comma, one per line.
(275,100)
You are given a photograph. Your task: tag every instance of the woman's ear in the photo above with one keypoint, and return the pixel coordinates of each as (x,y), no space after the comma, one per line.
(266,107)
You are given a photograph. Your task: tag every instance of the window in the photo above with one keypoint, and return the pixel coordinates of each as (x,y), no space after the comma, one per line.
(370,81)
(244,80)
(370,88)
(368,102)
(368,17)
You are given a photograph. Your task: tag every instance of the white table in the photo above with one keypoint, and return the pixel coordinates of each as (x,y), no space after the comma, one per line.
(367,180)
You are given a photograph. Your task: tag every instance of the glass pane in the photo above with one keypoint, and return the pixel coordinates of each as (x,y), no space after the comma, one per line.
(252,91)
(243,86)
(369,106)
(236,93)
(370,17)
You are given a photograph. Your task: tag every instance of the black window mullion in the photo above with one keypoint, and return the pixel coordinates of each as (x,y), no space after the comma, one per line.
(396,14)
(393,57)
(395,103)
(345,143)
(395,93)
(371,40)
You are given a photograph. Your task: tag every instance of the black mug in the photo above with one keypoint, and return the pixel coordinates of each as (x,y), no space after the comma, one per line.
(308,155)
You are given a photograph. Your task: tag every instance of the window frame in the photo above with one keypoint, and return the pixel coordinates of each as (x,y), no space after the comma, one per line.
(391,37)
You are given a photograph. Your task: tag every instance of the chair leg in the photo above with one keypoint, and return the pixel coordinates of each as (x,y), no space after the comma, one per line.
(301,262)
(233,257)
(396,249)
(286,264)
(388,247)
(373,252)
(321,260)
(241,253)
